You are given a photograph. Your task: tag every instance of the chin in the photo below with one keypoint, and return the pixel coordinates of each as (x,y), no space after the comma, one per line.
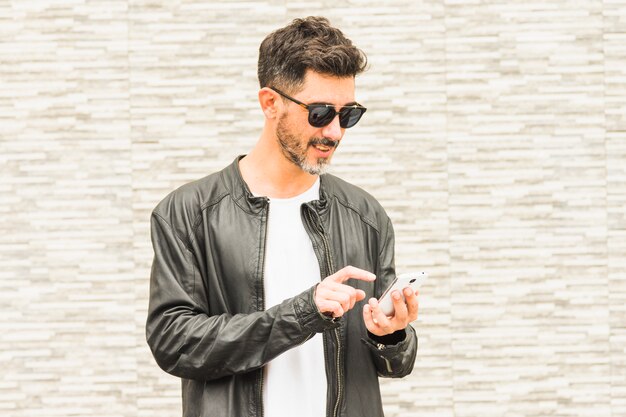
(318,168)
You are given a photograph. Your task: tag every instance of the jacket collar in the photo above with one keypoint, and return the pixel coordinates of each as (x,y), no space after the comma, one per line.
(247,201)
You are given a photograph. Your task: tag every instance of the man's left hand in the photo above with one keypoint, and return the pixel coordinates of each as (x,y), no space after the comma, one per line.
(379,324)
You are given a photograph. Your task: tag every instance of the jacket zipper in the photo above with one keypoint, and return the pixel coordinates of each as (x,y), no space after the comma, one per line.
(331,268)
(262,370)
(337,338)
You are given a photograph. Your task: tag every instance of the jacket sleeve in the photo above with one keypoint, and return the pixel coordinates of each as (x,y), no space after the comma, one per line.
(188,343)
(394,354)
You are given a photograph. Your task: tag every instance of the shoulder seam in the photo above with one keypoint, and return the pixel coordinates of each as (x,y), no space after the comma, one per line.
(365,219)
(198,219)
(173,229)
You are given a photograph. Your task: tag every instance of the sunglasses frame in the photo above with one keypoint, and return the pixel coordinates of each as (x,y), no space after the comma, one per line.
(310,107)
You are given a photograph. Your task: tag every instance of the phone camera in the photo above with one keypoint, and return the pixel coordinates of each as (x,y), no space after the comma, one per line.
(412,281)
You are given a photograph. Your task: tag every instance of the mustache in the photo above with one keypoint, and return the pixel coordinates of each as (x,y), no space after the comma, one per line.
(324,142)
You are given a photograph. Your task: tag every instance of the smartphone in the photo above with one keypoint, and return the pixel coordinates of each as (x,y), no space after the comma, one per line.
(412,279)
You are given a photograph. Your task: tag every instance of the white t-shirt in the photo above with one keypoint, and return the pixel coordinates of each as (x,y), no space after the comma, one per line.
(295,382)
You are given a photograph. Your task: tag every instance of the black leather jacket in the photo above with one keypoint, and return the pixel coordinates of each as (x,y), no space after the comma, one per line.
(207,320)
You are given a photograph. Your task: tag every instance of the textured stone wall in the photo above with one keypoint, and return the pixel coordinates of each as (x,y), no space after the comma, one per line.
(495,137)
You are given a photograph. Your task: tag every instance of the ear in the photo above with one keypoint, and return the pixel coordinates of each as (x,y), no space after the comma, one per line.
(268,100)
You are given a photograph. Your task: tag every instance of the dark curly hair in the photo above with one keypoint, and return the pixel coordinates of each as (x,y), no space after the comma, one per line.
(309,43)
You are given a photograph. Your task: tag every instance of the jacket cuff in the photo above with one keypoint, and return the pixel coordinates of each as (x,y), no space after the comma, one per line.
(389,339)
(309,316)
(389,345)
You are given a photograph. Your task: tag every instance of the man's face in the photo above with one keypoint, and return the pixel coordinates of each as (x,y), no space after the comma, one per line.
(308,147)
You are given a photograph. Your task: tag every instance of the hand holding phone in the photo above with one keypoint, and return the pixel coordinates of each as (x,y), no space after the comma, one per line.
(412,280)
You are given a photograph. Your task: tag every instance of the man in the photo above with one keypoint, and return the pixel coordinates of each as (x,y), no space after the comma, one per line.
(261,270)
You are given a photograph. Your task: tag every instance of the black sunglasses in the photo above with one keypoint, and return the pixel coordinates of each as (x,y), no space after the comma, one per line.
(321,115)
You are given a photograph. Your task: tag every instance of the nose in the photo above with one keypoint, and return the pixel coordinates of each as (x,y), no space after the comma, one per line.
(333,130)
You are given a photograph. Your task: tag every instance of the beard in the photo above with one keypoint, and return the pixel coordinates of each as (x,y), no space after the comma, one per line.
(296,151)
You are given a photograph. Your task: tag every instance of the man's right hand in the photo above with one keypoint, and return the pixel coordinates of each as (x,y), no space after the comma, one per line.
(335,298)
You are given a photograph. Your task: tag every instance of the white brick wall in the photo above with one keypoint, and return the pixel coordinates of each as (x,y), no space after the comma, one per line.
(495,137)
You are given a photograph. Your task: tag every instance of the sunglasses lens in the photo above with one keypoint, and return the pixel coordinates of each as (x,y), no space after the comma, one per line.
(350,117)
(320,116)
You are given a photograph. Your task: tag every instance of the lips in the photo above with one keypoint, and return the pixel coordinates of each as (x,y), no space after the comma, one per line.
(322,151)
(322,148)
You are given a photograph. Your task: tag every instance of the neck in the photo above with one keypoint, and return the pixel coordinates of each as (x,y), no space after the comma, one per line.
(269,173)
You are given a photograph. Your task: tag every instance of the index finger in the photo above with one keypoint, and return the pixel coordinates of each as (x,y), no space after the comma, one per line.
(348,272)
